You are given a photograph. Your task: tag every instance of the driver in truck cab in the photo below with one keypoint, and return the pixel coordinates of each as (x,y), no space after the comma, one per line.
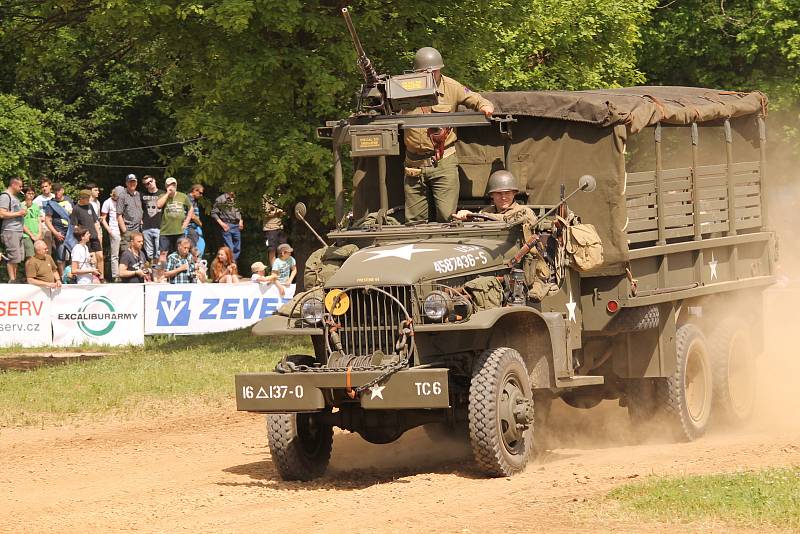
(502,189)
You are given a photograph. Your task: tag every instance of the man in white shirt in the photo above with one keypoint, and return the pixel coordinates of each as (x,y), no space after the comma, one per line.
(46,188)
(108,219)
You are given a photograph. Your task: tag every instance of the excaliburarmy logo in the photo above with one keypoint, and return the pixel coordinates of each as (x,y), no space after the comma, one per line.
(96,316)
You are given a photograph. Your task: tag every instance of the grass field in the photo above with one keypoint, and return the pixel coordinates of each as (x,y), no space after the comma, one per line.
(749,499)
(186,369)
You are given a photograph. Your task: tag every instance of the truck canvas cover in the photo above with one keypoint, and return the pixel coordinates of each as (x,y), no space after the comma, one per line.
(558,136)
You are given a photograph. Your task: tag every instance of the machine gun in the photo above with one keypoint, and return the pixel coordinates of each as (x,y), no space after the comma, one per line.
(382,94)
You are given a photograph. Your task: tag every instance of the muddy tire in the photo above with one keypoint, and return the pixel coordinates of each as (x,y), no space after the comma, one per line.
(735,372)
(685,398)
(501,412)
(300,445)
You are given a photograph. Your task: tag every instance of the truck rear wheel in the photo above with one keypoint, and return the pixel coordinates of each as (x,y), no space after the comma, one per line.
(735,372)
(686,396)
(501,412)
(300,445)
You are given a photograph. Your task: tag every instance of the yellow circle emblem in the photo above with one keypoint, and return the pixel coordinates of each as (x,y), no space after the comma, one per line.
(337,302)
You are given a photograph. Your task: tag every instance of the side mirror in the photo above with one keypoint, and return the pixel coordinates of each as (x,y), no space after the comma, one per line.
(300,210)
(300,213)
(586,183)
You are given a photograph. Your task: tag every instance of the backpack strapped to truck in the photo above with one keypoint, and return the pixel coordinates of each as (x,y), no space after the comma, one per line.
(584,246)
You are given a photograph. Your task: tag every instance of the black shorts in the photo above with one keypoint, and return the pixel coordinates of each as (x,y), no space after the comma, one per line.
(168,243)
(94,245)
(273,238)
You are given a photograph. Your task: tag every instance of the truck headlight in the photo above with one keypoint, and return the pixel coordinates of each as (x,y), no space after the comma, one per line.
(436,305)
(311,311)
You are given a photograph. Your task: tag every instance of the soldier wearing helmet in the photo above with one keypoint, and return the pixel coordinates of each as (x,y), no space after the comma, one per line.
(431,162)
(502,189)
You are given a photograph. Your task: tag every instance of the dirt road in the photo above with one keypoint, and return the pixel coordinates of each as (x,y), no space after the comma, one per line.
(211,472)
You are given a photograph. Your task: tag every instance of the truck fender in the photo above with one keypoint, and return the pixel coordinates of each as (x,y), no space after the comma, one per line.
(541,339)
(280,325)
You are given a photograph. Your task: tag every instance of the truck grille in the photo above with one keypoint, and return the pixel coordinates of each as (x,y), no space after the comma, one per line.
(372,322)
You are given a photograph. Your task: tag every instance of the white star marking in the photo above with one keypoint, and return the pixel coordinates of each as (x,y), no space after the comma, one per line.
(571,308)
(376,391)
(404,252)
(713,265)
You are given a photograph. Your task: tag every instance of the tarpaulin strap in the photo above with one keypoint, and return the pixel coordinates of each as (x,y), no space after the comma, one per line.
(659,104)
(634,282)
(348,383)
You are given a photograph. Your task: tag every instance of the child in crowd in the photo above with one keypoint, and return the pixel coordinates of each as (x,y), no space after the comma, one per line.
(285,266)
(259,276)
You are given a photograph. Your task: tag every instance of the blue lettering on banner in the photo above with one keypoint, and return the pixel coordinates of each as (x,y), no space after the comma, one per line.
(269,305)
(229,309)
(250,306)
(209,304)
(173,308)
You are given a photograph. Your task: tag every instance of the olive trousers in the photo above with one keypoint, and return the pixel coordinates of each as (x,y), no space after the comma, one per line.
(437,184)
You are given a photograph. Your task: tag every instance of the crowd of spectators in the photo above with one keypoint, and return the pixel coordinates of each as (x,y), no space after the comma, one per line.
(150,234)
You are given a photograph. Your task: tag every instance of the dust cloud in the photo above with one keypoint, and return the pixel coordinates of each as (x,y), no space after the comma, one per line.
(778,406)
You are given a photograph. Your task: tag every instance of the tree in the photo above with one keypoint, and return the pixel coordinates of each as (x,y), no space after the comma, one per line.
(743,45)
(255,78)
(23,133)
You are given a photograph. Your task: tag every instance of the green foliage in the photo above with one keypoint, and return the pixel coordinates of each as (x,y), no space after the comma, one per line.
(256,77)
(24,132)
(746,45)
(750,499)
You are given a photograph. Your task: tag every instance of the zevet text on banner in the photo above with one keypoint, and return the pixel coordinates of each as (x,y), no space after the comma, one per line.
(205,308)
(108,314)
(25,316)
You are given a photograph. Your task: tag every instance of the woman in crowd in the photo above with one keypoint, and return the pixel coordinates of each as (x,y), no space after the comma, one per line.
(83,267)
(223,268)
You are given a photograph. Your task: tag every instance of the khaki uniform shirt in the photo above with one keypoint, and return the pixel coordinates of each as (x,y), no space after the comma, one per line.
(43,269)
(451,95)
(514,213)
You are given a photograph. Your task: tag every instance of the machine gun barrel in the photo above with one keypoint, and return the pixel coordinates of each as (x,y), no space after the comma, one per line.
(364,64)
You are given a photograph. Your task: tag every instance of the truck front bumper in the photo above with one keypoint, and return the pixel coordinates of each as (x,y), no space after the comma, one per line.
(303,391)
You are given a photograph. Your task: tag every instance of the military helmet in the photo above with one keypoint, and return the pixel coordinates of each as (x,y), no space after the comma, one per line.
(428,58)
(502,181)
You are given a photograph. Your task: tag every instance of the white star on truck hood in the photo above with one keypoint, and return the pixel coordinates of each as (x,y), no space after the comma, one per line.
(404,252)
(376,391)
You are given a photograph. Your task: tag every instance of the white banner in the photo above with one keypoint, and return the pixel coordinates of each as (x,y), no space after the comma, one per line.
(25,316)
(205,308)
(108,314)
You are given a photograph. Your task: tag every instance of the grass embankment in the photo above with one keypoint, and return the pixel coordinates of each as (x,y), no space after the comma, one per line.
(751,499)
(186,369)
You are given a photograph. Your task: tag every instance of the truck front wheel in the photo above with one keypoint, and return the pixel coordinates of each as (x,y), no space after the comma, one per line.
(501,412)
(300,445)
(686,396)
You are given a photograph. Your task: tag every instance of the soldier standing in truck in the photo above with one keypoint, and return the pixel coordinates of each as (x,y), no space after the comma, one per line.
(431,165)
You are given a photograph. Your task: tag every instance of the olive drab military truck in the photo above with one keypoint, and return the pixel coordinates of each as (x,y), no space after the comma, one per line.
(473,328)
(435,324)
